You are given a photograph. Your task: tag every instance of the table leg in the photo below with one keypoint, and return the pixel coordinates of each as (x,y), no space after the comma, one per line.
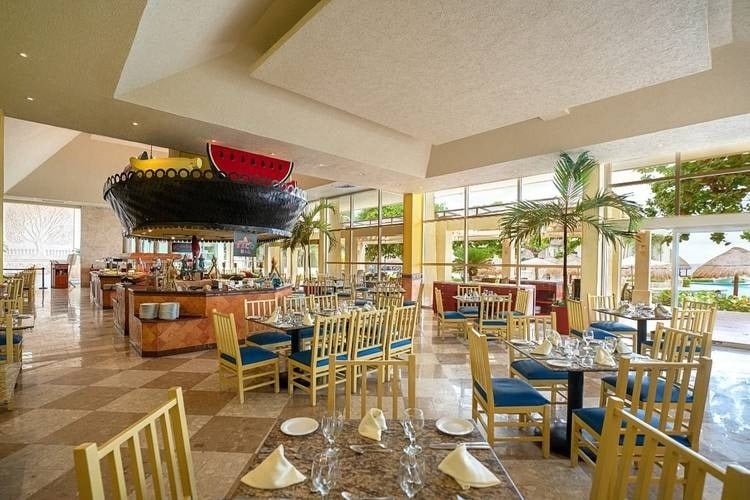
(642,335)
(560,431)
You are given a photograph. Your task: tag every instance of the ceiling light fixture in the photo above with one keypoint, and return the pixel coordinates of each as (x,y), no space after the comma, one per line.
(23,54)
(29,98)
(135,124)
(213,141)
(321,164)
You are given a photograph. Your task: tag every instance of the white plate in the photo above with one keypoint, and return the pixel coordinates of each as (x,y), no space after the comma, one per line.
(454,426)
(560,363)
(299,426)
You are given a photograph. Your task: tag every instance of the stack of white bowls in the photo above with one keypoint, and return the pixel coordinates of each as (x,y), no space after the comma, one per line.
(169,310)
(148,310)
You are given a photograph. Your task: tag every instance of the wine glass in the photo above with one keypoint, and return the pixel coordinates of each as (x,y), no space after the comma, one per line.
(324,473)
(331,426)
(412,474)
(588,336)
(610,344)
(413,422)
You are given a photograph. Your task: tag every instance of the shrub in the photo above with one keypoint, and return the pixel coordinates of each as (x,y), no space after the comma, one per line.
(723,302)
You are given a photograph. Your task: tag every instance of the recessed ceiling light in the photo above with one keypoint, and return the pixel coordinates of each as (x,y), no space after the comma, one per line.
(272,154)
(213,140)
(29,98)
(362,174)
(135,124)
(23,54)
(321,164)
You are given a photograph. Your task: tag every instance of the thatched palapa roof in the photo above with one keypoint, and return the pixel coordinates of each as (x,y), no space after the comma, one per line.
(735,261)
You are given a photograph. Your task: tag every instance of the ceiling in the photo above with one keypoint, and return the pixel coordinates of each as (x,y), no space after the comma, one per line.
(403,96)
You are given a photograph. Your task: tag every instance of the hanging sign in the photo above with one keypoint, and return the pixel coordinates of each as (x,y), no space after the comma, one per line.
(245,244)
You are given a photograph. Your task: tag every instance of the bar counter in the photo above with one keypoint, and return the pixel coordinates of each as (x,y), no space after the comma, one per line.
(193,330)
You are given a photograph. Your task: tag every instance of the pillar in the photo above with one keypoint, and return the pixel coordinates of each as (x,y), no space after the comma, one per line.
(642,271)
(411,273)
(590,247)
(2,184)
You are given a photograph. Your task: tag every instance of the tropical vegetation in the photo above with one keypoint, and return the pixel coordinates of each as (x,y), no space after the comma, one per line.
(310,221)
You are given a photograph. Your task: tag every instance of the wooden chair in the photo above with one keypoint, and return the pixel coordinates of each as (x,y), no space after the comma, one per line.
(671,344)
(447,318)
(577,323)
(470,308)
(639,460)
(250,364)
(7,308)
(495,316)
(295,303)
(526,328)
(401,330)
(505,396)
(28,277)
(324,302)
(10,367)
(331,336)
(369,334)
(384,390)
(270,339)
(680,415)
(605,321)
(388,299)
(521,305)
(692,320)
(167,445)
(13,299)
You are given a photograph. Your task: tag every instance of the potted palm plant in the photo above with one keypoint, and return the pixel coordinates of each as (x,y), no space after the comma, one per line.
(309,222)
(569,211)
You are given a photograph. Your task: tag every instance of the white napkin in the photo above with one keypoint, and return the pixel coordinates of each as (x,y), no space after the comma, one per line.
(367,307)
(308,320)
(274,316)
(273,472)
(623,348)
(543,349)
(602,357)
(467,470)
(373,424)
(554,338)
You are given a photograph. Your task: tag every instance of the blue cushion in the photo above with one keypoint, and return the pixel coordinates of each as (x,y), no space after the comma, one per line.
(613,326)
(660,386)
(468,310)
(344,294)
(594,418)
(400,343)
(250,355)
(266,338)
(305,358)
(410,303)
(307,333)
(599,334)
(495,322)
(360,302)
(517,313)
(532,370)
(370,351)
(453,315)
(16,339)
(513,392)
(361,289)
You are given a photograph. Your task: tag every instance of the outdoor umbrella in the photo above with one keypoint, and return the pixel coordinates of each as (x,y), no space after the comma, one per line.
(660,271)
(734,262)
(536,262)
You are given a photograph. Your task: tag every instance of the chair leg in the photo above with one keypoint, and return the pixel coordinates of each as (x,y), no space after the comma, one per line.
(276,386)
(290,378)
(313,389)
(240,386)
(574,431)
(547,415)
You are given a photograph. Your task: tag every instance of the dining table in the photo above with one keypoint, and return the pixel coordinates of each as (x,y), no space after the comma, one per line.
(293,329)
(375,472)
(641,319)
(560,432)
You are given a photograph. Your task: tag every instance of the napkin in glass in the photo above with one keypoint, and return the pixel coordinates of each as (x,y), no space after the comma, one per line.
(467,470)
(602,357)
(373,424)
(274,472)
(554,338)
(623,348)
(275,316)
(543,349)
(308,320)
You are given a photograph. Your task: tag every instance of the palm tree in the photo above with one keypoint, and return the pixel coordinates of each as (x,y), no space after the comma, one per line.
(571,210)
(303,229)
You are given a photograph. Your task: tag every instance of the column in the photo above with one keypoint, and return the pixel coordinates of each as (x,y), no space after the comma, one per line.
(590,247)
(642,271)
(2,182)
(411,275)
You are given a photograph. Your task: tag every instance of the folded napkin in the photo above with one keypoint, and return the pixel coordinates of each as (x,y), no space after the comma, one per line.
(623,348)
(554,338)
(273,472)
(274,316)
(467,470)
(367,307)
(543,349)
(373,424)
(602,357)
(308,320)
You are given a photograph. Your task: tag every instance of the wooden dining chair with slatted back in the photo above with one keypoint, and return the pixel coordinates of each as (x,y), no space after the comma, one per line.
(604,321)
(495,316)
(268,339)
(308,369)
(28,277)
(528,329)
(675,405)
(388,299)
(450,319)
(402,328)
(369,334)
(294,303)
(521,303)
(387,392)
(165,451)
(577,322)
(14,295)
(329,302)
(417,302)
(10,365)
(671,345)
(522,405)
(700,320)
(253,366)
(638,460)
(467,302)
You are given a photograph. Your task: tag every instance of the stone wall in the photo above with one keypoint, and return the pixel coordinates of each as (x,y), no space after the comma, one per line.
(101,236)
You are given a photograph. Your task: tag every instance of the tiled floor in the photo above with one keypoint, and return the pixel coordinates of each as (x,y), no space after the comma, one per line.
(81,382)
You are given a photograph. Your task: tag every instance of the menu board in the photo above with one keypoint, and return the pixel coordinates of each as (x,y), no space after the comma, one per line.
(245,244)
(181,247)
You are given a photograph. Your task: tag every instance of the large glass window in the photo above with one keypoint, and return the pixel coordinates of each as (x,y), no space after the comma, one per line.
(489,198)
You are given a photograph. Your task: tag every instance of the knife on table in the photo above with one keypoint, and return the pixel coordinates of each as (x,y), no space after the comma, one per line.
(481,445)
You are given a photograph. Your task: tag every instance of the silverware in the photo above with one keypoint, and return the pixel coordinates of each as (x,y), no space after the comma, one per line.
(362,448)
(481,445)
(351,496)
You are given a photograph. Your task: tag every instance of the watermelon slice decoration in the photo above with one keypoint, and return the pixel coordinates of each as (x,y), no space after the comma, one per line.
(237,163)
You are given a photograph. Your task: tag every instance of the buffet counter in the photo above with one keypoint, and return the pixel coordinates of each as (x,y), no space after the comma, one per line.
(102,286)
(193,330)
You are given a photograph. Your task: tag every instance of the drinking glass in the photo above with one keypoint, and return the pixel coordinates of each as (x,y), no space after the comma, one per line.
(588,336)
(412,474)
(413,422)
(610,344)
(331,426)
(324,473)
